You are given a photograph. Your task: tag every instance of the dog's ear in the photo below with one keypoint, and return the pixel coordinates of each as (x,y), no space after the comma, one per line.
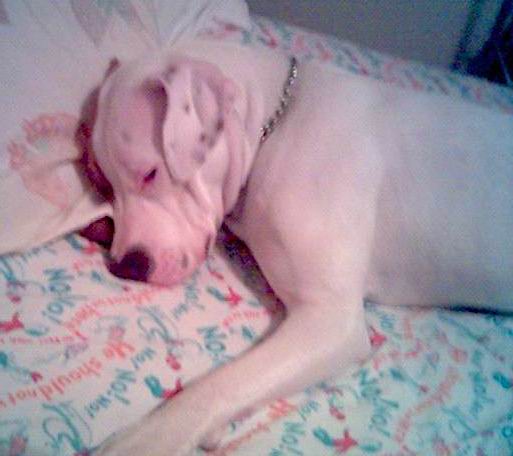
(195,102)
(84,138)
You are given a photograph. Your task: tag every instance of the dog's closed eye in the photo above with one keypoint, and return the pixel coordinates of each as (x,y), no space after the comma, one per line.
(150,176)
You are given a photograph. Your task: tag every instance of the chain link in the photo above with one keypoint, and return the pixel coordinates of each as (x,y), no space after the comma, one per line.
(285,99)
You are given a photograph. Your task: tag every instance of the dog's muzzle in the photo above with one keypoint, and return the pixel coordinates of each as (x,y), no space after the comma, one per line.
(167,267)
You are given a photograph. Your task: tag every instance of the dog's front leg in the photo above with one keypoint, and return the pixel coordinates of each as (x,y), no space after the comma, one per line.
(323,333)
(316,340)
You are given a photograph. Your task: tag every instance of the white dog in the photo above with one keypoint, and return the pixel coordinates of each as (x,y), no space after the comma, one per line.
(359,191)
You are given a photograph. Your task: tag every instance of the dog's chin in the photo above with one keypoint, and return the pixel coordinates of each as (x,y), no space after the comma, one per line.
(168,266)
(170,276)
(168,280)
(171,269)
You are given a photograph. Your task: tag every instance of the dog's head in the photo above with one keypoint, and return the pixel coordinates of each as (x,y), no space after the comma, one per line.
(163,152)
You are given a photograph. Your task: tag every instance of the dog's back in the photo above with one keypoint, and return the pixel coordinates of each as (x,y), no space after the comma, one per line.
(444,230)
(444,205)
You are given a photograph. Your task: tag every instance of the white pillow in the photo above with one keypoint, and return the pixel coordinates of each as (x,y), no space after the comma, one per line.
(54,52)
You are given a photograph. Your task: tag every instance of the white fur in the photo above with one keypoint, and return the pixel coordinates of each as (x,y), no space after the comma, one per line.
(364,191)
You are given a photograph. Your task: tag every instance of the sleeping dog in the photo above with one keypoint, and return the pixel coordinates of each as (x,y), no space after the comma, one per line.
(344,188)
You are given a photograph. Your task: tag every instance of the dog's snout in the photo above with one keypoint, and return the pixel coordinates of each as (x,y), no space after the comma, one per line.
(135,265)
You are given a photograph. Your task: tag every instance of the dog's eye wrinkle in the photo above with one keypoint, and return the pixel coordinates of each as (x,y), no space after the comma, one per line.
(149,177)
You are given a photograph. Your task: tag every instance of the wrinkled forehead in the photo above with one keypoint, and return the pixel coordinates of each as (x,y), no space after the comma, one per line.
(126,130)
(113,97)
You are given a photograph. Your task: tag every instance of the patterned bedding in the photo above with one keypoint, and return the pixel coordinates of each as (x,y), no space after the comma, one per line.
(83,353)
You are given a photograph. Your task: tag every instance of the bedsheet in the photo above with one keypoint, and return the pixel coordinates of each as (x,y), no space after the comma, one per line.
(83,353)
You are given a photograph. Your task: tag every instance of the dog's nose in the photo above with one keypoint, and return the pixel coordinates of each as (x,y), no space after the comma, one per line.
(135,265)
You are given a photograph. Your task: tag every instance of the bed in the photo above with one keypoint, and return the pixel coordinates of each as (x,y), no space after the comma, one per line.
(83,353)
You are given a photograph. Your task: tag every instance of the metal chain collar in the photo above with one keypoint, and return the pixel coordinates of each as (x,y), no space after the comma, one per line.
(285,99)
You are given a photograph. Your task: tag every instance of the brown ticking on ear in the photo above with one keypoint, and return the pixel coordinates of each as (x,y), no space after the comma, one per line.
(199,155)
(169,72)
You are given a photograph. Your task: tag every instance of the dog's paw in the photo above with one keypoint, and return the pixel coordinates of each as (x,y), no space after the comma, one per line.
(154,435)
(213,439)
(128,444)
(176,428)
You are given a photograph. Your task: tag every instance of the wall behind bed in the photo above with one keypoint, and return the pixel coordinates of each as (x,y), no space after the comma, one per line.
(429,31)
